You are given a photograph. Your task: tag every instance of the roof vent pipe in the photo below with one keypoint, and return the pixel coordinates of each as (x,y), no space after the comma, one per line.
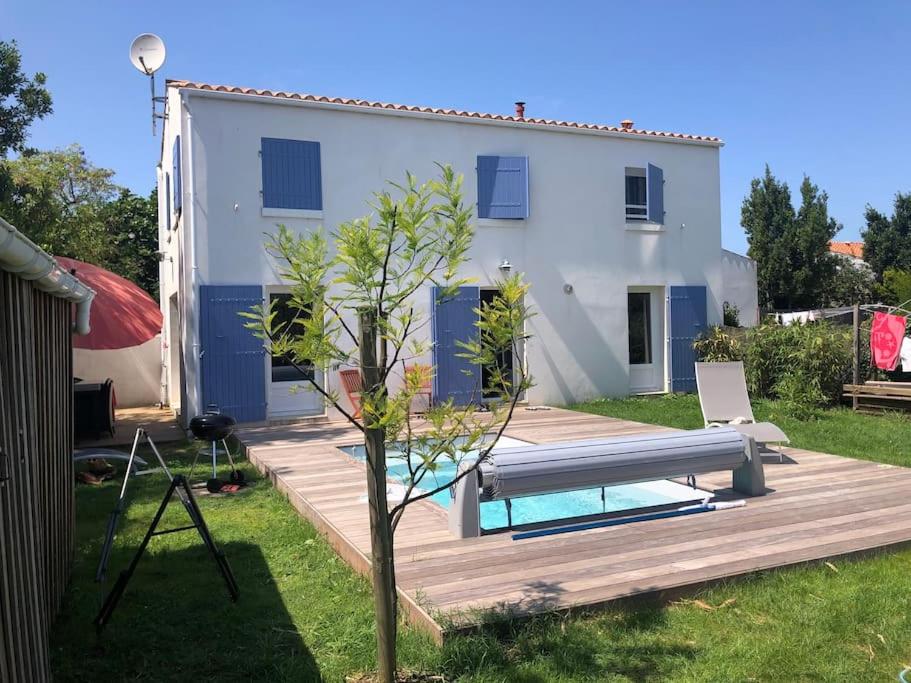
(520,110)
(626,124)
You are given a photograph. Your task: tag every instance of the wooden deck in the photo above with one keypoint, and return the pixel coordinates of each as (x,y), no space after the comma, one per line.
(159,423)
(818,506)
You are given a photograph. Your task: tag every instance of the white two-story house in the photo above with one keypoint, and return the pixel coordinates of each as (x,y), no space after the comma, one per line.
(617,230)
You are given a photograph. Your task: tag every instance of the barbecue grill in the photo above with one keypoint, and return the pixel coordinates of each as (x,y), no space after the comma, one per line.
(212,426)
(215,427)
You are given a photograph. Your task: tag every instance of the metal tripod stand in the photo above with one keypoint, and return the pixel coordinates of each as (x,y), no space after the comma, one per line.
(184,493)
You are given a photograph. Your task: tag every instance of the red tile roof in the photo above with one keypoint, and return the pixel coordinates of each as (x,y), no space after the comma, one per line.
(441,112)
(853,249)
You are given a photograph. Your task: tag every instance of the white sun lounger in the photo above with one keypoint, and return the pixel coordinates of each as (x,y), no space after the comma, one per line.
(724,400)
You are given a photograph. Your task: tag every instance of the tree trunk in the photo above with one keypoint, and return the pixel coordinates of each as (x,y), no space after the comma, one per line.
(382,560)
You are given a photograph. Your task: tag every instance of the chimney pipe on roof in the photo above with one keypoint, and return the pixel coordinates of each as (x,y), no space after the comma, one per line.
(520,110)
(626,124)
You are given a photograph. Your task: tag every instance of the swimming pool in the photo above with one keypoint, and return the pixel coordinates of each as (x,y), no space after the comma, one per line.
(546,507)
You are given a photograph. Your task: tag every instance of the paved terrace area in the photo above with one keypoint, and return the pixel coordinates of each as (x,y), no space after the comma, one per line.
(818,506)
(159,423)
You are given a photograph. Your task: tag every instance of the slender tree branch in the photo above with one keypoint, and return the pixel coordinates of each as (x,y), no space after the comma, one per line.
(338,316)
(387,369)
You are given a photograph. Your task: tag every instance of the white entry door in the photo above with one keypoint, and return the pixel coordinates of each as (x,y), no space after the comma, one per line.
(645,313)
(289,394)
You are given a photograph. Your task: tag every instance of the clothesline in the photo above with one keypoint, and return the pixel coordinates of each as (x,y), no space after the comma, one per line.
(888,309)
(811,315)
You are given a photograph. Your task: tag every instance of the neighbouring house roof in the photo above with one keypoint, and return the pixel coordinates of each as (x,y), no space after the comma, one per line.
(631,132)
(852,249)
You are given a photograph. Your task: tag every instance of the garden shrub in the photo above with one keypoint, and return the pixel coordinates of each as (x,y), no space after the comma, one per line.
(800,395)
(716,346)
(786,361)
(731,315)
(803,365)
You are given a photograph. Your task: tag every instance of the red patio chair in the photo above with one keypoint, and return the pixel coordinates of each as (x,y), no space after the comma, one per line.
(426,381)
(354,387)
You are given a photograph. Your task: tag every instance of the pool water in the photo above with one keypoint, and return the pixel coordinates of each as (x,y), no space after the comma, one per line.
(542,508)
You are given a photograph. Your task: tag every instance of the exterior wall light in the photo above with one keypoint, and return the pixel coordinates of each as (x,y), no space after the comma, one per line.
(505,266)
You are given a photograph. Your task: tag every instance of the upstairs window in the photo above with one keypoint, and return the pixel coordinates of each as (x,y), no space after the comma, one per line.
(175,174)
(167,201)
(292,178)
(645,194)
(636,195)
(503,187)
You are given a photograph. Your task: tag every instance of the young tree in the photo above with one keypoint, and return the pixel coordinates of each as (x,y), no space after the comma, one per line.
(791,250)
(354,303)
(887,240)
(22,99)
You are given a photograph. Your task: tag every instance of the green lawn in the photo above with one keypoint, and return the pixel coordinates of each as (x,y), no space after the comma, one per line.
(305,616)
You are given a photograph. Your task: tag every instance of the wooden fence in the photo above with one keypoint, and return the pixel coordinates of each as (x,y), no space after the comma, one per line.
(36,473)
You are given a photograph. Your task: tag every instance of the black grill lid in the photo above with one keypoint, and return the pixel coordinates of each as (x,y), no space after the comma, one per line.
(212,426)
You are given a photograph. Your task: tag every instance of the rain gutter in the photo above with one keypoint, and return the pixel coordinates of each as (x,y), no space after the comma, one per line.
(19,255)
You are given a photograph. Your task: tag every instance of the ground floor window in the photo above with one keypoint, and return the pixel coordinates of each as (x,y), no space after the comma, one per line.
(285,314)
(505,360)
(640,328)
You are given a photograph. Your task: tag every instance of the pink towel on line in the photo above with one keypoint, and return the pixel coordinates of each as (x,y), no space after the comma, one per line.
(886,336)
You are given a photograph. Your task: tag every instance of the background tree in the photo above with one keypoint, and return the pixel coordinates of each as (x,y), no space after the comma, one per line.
(61,201)
(850,285)
(356,306)
(131,221)
(895,288)
(767,217)
(69,207)
(791,250)
(814,265)
(22,99)
(887,240)
(56,199)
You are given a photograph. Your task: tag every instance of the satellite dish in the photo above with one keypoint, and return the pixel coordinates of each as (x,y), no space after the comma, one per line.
(147,53)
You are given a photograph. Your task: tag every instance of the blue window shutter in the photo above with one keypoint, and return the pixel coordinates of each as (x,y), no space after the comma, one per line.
(178,185)
(502,187)
(167,201)
(453,320)
(655,194)
(688,318)
(292,178)
(233,363)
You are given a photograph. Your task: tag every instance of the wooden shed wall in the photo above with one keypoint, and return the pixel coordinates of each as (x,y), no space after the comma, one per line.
(36,473)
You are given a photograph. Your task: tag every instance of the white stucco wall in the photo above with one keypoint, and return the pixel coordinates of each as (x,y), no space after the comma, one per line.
(136,371)
(576,233)
(739,286)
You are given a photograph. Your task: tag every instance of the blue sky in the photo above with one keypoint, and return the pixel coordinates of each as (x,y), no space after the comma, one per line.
(820,88)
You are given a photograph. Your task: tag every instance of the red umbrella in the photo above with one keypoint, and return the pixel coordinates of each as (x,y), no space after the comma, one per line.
(123,315)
